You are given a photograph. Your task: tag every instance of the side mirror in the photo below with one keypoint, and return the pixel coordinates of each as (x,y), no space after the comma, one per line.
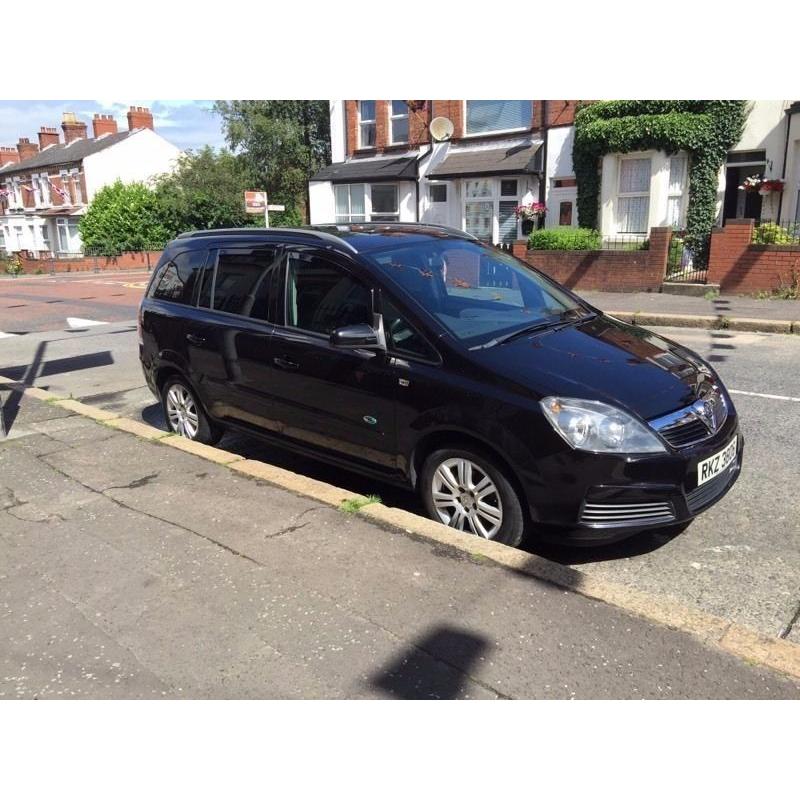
(357,337)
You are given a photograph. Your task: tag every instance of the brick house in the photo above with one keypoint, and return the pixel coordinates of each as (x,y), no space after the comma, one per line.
(500,154)
(46,186)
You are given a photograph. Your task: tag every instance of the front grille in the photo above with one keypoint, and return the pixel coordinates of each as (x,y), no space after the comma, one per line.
(696,422)
(608,514)
(706,493)
(683,434)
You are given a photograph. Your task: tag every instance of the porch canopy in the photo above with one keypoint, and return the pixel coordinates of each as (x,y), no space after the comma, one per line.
(515,160)
(369,169)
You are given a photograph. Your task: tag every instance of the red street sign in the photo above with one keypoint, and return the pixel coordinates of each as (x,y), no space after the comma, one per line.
(255,202)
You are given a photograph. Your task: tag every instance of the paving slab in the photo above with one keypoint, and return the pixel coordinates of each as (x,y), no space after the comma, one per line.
(161,574)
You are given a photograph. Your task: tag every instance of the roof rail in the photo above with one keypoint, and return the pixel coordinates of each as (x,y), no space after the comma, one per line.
(395,223)
(316,234)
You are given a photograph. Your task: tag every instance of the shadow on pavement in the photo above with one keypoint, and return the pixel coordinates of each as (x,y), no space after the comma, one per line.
(637,545)
(435,667)
(408,500)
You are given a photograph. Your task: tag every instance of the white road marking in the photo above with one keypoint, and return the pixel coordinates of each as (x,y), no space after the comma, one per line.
(6,335)
(767,396)
(77,322)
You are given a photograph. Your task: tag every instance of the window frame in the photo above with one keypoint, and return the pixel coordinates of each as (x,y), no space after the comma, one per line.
(364,122)
(368,212)
(211,266)
(338,264)
(679,195)
(496,185)
(647,156)
(465,117)
(350,215)
(394,117)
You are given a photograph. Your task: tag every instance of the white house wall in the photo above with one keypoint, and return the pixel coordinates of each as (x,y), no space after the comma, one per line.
(338,131)
(139,157)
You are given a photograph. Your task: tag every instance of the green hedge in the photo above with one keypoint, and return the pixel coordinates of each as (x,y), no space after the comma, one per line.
(565,239)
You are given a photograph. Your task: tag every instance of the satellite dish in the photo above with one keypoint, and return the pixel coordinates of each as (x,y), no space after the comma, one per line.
(441,129)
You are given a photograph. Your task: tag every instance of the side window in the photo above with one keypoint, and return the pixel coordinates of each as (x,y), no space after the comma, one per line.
(241,282)
(179,276)
(321,297)
(401,336)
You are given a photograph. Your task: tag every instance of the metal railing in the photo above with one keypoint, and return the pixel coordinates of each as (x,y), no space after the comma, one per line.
(785,233)
(681,262)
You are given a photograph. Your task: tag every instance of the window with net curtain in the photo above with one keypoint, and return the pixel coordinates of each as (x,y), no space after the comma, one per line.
(478,208)
(633,195)
(487,116)
(350,202)
(677,187)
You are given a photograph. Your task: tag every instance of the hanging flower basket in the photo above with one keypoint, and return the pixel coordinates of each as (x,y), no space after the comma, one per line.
(529,214)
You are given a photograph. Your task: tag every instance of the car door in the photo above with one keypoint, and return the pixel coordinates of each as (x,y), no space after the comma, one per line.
(331,398)
(228,340)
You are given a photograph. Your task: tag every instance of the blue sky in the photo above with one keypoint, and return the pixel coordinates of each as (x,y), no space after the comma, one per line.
(185,123)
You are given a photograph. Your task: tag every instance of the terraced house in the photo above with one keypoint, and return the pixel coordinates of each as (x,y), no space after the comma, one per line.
(46,186)
(463,163)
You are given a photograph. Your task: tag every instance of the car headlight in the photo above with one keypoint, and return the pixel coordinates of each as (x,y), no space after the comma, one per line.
(599,427)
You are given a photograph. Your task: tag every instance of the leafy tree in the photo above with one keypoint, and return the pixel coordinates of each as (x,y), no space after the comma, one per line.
(206,190)
(282,143)
(123,216)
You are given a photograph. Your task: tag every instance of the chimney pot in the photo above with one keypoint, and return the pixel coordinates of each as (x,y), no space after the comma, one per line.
(139,117)
(72,127)
(26,149)
(103,124)
(47,137)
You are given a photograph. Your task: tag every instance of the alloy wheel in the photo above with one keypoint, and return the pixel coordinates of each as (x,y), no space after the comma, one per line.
(466,498)
(182,411)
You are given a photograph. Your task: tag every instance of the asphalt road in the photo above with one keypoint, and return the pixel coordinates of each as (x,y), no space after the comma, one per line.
(42,303)
(740,559)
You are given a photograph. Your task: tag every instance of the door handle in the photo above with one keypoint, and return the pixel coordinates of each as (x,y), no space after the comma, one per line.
(190,337)
(285,363)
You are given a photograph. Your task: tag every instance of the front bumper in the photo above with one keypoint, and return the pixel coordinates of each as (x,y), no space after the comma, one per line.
(605,498)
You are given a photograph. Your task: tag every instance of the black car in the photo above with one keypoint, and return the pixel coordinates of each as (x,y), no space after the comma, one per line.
(416,354)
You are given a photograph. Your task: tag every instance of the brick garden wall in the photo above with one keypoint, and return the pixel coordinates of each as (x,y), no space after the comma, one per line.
(604,270)
(125,261)
(743,268)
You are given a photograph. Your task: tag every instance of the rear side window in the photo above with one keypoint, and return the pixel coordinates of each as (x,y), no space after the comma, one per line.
(241,282)
(178,277)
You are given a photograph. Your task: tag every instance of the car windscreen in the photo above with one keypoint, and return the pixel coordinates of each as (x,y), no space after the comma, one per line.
(476,292)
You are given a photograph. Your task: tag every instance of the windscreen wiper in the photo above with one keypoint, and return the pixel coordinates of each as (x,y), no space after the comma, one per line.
(551,324)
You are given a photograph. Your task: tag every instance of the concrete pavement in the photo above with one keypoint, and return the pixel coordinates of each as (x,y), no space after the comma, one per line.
(132,569)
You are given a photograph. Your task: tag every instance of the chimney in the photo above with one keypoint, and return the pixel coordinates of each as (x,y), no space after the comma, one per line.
(47,136)
(72,127)
(102,124)
(139,117)
(26,149)
(8,155)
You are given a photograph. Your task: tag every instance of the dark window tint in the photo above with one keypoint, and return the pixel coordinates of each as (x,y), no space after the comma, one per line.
(401,336)
(320,297)
(438,192)
(178,277)
(242,281)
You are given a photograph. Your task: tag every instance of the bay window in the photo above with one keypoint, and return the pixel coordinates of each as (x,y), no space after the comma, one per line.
(366,123)
(633,195)
(490,206)
(371,202)
(68,238)
(494,116)
(77,192)
(398,122)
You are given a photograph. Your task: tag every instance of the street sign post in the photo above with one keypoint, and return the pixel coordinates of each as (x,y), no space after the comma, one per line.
(256,203)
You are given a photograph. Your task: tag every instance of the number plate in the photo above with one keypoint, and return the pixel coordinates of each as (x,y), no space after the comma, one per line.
(716,464)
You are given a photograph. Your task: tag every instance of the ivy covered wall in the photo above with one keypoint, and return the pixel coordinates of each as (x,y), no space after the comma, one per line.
(705,129)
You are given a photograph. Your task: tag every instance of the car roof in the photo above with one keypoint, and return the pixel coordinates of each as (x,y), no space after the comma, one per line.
(351,237)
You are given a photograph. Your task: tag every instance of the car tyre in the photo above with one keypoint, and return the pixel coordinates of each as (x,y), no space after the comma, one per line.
(466,490)
(184,414)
